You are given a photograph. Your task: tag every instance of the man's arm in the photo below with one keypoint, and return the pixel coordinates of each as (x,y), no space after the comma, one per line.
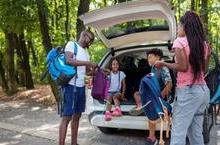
(74,62)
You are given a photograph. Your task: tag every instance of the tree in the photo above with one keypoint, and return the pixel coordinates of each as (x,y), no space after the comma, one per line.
(67,20)
(204,14)
(82,8)
(12,86)
(193,5)
(25,62)
(2,74)
(46,39)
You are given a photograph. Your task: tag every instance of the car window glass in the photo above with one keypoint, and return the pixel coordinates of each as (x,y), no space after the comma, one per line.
(135,27)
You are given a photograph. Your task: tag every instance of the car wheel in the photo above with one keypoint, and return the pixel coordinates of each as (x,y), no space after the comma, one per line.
(207,124)
(108,130)
(205,129)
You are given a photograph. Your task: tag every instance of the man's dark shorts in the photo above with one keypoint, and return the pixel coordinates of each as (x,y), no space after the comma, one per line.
(74,100)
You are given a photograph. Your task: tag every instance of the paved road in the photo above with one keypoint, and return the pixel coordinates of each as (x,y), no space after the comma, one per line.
(25,123)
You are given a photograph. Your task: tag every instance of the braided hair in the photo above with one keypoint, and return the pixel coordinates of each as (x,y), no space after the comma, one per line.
(196,38)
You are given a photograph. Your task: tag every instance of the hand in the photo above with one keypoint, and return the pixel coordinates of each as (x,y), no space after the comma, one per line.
(159,64)
(93,65)
(106,71)
(165,92)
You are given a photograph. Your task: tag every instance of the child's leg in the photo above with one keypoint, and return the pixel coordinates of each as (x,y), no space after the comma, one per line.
(116,100)
(109,104)
(117,111)
(137,99)
(108,115)
(152,128)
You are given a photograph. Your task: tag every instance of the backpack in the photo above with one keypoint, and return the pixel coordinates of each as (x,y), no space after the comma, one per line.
(60,72)
(153,104)
(100,85)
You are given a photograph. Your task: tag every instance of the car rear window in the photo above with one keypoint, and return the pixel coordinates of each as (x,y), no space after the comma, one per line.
(135,27)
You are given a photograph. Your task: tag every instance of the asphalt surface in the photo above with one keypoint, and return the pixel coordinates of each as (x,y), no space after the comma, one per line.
(26,123)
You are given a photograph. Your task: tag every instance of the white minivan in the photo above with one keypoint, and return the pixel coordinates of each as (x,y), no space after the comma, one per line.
(128,30)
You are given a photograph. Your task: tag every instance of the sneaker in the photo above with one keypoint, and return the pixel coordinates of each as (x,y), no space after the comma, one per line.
(108,116)
(150,142)
(135,111)
(117,112)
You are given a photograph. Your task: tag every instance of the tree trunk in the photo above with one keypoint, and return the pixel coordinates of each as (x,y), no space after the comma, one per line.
(193,5)
(33,53)
(82,8)
(20,75)
(105,3)
(46,39)
(67,20)
(121,1)
(25,62)
(179,11)
(44,25)
(204,15)
(10,63)
(2,74)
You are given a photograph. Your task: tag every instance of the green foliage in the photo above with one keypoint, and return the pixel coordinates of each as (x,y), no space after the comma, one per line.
(22,16)
(97,51)
(17,15)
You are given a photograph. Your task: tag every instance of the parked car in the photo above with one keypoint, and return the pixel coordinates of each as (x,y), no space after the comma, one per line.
(128,30)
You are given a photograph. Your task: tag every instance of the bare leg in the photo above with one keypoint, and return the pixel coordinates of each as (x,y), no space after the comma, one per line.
(116,100)
(152,128)
(109,104)
(137,99)
(62,129)
(74,128)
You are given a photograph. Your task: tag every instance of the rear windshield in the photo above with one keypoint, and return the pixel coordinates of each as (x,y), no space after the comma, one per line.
(135,27)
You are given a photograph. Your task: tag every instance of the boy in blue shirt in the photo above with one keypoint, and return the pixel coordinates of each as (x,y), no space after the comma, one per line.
(165,81)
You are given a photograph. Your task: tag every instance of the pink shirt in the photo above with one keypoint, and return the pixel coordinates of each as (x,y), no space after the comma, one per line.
(186,78)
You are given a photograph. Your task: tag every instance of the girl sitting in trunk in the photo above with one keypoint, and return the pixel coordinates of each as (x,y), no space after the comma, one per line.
(116,91)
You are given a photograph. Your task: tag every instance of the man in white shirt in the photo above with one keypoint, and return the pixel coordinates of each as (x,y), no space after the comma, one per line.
(74,91)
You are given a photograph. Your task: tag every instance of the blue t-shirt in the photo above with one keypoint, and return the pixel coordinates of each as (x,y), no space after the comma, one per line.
(163,76)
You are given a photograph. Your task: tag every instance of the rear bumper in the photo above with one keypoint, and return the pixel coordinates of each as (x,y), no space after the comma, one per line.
(123,122)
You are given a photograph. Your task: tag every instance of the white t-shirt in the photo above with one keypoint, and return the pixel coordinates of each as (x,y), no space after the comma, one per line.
(115,83)
(82,55)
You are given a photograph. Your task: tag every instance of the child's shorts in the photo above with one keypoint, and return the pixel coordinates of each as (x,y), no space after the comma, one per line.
(111,94)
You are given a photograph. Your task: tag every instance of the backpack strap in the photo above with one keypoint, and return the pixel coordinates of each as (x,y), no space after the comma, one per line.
(119,82)
(75,47)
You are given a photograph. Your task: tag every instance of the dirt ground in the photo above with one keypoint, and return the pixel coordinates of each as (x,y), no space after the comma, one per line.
(40,94)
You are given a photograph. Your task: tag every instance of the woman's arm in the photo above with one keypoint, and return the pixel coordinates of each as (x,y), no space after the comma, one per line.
(181,63)
(167,89)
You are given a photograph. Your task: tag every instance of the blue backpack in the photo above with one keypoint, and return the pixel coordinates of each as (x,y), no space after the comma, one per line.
(60,72)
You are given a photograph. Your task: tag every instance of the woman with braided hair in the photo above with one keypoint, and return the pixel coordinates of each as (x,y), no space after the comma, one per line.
(192,94)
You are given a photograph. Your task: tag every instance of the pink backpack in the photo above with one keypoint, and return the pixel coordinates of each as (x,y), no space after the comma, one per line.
(100,85)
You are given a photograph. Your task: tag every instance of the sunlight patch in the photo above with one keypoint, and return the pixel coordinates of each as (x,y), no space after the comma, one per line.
(17,136)
(35,108)
(17,117)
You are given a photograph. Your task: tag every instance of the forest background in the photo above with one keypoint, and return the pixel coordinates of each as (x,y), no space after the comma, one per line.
(30,28)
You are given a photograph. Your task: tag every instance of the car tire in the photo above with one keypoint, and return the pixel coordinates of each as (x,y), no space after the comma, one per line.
(206,125)
(107,130)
